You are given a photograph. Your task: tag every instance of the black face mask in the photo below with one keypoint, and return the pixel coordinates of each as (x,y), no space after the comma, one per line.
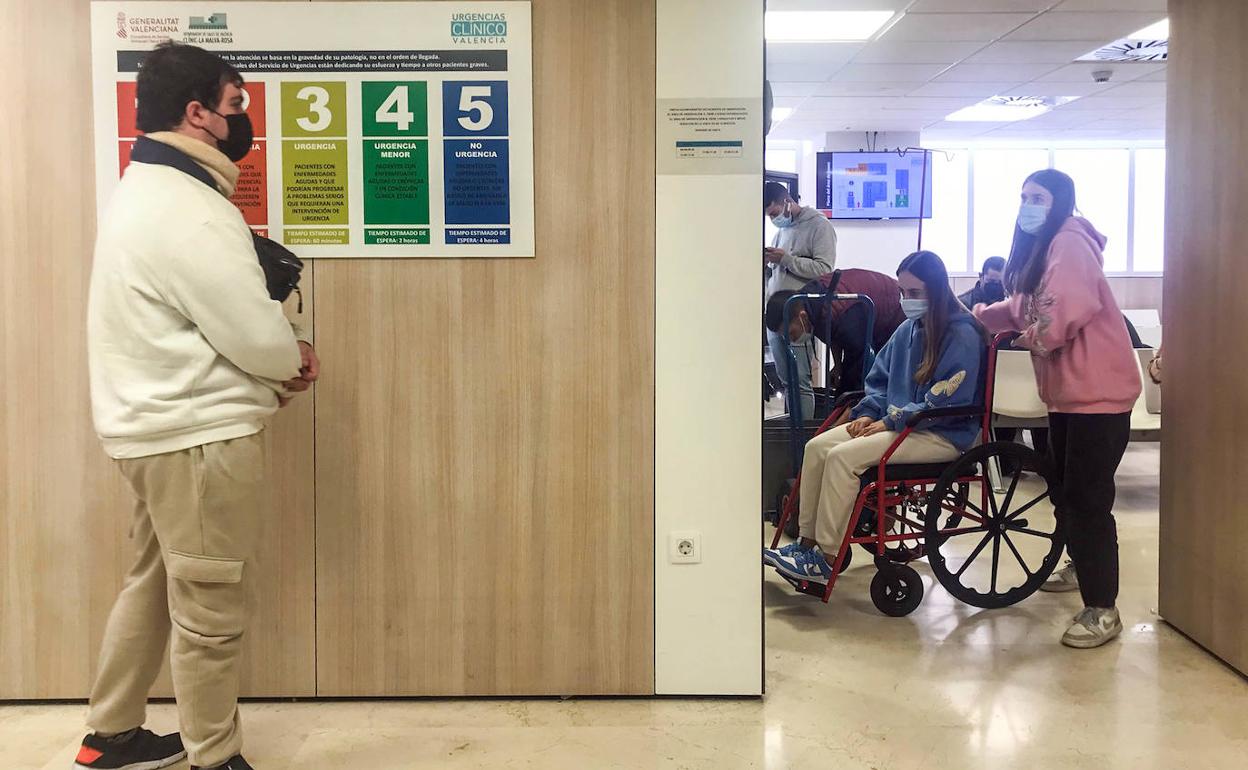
(993,291)
(237,142)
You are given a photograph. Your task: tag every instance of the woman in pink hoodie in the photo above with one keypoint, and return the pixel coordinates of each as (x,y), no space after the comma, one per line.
(1088,376)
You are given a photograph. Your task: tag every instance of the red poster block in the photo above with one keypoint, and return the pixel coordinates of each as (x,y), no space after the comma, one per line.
(251,194)
(255,107)
(127,108)
(124,148)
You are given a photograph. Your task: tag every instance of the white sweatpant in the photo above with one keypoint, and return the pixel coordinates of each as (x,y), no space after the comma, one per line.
(830,472)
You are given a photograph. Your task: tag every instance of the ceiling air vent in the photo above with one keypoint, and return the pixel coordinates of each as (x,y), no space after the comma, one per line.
(1128,51)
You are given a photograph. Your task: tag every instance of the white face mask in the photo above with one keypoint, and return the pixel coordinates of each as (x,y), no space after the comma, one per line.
(1031,217)
(783,220)
(914,308)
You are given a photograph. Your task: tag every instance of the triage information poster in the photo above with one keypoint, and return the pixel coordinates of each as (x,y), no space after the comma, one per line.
(399,129)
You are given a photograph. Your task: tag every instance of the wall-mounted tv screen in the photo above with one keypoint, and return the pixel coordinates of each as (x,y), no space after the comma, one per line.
(873,185)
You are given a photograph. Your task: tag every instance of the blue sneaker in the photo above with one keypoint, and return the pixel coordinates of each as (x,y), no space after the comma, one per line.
(809,564)
(772,555)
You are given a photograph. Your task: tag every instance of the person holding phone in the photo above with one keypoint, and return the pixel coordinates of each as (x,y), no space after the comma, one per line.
(803,250)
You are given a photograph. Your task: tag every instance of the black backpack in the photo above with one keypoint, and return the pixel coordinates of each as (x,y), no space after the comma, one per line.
(281,268)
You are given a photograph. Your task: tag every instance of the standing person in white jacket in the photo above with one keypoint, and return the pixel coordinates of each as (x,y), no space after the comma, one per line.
(189,358)
(803,249)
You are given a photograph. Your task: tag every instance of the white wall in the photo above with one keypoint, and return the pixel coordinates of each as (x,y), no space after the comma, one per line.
(708,436)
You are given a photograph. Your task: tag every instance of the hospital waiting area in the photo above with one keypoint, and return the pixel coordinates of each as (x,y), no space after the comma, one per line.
(623,384)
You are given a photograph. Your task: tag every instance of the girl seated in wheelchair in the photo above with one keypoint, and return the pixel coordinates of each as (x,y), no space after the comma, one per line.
(933,361)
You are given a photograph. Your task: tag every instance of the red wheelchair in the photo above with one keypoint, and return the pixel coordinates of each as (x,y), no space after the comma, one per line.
(998,498)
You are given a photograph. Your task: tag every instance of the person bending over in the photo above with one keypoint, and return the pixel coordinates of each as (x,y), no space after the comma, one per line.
(840,325)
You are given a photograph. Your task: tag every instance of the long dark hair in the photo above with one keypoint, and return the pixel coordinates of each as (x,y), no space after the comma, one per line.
(942,305)
(1029,256)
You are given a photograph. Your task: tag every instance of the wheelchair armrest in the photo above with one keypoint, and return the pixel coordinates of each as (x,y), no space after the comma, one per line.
(948,411)
(849,397)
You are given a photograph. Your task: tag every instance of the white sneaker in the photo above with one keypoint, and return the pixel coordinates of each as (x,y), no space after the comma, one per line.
(1062,580)
(1093,627)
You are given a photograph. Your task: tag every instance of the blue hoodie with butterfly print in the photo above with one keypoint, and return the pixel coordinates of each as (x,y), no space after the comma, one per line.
(893,395)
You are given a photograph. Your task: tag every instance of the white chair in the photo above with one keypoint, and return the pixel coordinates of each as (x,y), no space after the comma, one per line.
(1146,415)
(1015,399)
(1147,324)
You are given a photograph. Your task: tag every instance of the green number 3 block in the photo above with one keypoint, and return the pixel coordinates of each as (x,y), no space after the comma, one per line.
(314,109)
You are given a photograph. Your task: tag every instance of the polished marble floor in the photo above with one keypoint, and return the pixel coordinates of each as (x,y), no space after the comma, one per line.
(947,687)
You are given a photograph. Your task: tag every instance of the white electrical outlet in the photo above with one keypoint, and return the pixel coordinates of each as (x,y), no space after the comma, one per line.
(684,547)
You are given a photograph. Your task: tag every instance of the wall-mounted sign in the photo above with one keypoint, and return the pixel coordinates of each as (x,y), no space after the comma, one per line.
(382,129)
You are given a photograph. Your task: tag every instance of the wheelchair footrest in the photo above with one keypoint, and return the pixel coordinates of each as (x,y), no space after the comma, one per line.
(805,586)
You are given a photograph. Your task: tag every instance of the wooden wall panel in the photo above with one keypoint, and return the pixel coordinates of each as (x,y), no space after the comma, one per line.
(485,432)
(64,509)
(1204,516)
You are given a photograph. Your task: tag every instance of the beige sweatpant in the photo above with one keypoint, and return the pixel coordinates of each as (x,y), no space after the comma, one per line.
(830,472)
(195,528)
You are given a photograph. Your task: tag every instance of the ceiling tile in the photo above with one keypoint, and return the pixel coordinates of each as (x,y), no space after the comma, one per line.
(1082,72)
(1102,134)
(830,105)
(837,5)
(884,73)
(948,131)
(1016,131)
(973,6)
(1047,88)
(1106,27)
(916,52)
(793,89)
(1114,5)
(1155,77)
(1137,88)
(812,53)
(791,102)
(977,90)
(990,73)
(801,73)
(1033,52)
(1119,124)
(871,122)
(943,105)
(1102,102)
(983,27)
(866,89)
(1063,119)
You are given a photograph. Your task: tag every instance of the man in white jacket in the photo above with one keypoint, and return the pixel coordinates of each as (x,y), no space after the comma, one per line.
(189,358)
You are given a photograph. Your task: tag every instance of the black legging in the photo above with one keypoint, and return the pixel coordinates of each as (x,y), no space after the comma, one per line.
(1086,452)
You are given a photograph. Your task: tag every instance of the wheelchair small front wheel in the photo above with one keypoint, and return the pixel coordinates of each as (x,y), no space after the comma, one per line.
(897,590)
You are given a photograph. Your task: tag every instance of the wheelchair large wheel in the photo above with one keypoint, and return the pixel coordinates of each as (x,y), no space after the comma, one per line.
(992,549)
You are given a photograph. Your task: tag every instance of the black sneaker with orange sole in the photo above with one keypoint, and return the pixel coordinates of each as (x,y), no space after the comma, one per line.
(136,750)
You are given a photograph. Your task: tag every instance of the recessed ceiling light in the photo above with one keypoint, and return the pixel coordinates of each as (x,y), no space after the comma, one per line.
(824,26)
(1008,109)
(780,113)
(1158,31)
